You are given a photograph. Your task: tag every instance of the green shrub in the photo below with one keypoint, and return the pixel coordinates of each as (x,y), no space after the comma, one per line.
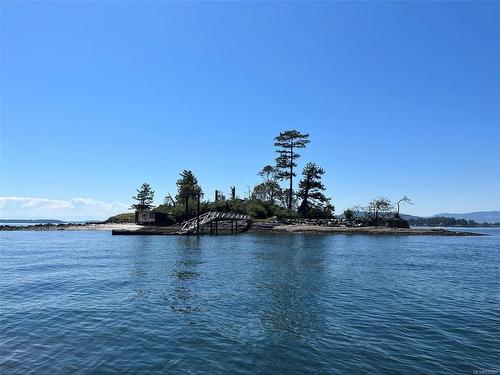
(257,210)
(128,217)
(284,213)
(319,213)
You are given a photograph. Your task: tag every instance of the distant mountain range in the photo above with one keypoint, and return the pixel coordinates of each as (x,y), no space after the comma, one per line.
(478,217)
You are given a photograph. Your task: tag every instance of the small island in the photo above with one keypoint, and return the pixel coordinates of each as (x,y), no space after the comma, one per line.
(269,207)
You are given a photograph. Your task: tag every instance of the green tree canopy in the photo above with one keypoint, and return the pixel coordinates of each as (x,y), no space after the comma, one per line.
(269,173)
(311,191)
(187,184)
(287,143)
(348,214)
(144,197)
(269,190)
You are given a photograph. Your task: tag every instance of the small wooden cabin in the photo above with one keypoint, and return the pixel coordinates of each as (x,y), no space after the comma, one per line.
(149,217)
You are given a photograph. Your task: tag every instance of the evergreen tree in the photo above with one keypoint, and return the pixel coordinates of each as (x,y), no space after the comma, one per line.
(187,184)
(287,142)
(348,214)
(144,198)
(311,191)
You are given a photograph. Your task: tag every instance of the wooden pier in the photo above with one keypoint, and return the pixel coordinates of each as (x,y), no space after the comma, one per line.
(198,224)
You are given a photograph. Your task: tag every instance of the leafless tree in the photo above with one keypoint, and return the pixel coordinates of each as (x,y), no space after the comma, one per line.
(403,200)
(378,207)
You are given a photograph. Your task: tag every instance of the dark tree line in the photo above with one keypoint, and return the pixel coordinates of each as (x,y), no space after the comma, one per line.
(439,221)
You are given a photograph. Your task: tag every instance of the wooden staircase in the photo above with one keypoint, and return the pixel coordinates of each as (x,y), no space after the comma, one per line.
(197,224)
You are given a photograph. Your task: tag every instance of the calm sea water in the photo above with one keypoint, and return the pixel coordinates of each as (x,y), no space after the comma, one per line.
(89,302)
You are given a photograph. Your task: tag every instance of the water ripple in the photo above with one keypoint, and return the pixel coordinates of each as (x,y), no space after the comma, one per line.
(88,302)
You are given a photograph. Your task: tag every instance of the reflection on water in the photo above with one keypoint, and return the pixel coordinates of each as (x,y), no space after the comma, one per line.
(290,283)
(90,302)
(188,259)
(140,268)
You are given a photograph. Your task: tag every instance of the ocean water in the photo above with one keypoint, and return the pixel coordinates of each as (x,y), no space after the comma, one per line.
(89,302)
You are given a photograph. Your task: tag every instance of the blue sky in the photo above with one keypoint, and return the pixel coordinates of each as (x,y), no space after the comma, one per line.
(98,97)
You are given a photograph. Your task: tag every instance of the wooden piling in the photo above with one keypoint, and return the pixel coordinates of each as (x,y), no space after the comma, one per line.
(198,215)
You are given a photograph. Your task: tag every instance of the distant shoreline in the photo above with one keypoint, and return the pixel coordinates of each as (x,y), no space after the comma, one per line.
(134,229)
(69,227)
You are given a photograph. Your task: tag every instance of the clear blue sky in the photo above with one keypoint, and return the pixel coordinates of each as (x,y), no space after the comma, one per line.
(399,98)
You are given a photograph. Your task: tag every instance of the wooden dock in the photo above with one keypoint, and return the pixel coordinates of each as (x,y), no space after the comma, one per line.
(212,222)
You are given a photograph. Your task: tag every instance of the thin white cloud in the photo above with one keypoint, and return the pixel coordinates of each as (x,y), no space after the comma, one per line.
(72,209)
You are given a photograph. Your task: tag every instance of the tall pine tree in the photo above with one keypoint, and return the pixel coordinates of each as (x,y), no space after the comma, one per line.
(186,185)
(311,191)
(287,143)
(144,198)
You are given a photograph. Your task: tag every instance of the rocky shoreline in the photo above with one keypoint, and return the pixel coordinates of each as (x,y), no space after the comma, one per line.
(315,229)
(259,227)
